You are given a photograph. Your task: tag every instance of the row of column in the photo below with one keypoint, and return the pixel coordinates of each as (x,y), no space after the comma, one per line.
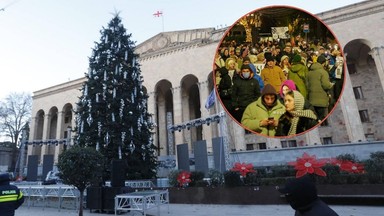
(59,134)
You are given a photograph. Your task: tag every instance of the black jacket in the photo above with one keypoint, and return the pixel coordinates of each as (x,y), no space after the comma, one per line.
(316,208)
(285,124)
(10,199)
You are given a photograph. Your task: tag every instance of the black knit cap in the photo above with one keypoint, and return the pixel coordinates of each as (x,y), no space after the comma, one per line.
(4,177)
(246,67)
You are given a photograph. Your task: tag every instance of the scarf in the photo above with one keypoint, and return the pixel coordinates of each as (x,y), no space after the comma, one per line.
(299,112)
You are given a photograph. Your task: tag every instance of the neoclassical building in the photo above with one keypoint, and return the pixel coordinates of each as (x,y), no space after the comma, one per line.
(177,70)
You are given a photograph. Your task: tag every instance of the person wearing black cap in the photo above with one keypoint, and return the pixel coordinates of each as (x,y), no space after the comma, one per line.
(318,85)
(10,196)
(301,194)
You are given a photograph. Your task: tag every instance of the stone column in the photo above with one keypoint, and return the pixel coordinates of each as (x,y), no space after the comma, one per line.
(151,104)
(177,113)
(377,54)
(44,148)
(351,111)
(239,137)
(59,134)
(313,137)
(207,130)
(162,125)
(32,136)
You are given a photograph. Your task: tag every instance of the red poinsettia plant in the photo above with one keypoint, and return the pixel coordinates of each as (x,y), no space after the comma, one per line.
(309,164)
(243,168)
(184,178)
(348,166)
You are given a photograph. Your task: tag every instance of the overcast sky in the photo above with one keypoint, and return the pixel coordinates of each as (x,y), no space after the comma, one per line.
(47,42)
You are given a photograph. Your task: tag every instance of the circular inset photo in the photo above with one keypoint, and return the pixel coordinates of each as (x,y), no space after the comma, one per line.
(279,71)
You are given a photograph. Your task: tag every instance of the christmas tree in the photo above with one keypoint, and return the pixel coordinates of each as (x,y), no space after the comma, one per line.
(112,112)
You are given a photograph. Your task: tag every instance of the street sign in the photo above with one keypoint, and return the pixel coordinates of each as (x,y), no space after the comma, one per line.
(306,28)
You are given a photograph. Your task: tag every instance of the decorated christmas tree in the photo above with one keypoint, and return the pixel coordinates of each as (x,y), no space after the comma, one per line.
(112,113)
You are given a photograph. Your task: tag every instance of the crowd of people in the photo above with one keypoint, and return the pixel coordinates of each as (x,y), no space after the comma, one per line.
(278,88)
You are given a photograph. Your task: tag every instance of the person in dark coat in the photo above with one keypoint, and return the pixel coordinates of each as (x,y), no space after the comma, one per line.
(245,90)
(298,116)
(10,196)
(224,88)
(301,194)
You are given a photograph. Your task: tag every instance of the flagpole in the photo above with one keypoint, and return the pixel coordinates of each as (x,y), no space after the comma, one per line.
(162,21)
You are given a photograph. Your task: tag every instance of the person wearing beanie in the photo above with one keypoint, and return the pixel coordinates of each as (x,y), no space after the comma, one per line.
(298,116)
(262,115)
(11,197)
(301,194)
(285,65)
(287,86)
(245,90)
(272,74)
(298,74)
(318,86)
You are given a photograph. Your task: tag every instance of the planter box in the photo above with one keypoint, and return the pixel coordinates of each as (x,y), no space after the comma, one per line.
(223,195)
(332,194)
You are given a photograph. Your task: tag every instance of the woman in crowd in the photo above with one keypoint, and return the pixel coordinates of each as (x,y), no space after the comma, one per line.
(285,65)
(298,117)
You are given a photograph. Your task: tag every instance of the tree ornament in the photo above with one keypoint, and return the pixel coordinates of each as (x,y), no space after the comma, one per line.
(89,119)
(122,104)
(131,147)
(106,139)
(99,129)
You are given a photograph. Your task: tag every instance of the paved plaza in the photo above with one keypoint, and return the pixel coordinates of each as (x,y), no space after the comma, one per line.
(208,210)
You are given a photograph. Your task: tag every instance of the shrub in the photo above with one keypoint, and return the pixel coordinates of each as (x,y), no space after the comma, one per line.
(196,176)
(347,157)
(252,179)
(173,178)
(232,179)
(216,178)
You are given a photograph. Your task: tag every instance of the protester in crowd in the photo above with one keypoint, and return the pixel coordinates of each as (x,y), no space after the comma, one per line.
(247,61)
(297,117)
(285,65)
(11,197)
(298,74)
(262,115)
(288,85)
(272,74)
(224,89)
(232,68)
(318,86)
(245,90)
(301,194)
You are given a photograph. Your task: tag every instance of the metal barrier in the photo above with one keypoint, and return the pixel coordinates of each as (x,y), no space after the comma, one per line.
(36,193)
(135,184)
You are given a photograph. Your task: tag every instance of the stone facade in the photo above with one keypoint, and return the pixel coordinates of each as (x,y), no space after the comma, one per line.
(177,70)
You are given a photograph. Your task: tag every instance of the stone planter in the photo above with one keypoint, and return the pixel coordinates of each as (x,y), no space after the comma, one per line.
(223,195)
(333,194)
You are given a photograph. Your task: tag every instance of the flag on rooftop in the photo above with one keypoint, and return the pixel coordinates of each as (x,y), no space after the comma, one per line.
(158,13)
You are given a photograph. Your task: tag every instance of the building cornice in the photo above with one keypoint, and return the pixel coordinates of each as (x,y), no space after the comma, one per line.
(352,11)
(70,85)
